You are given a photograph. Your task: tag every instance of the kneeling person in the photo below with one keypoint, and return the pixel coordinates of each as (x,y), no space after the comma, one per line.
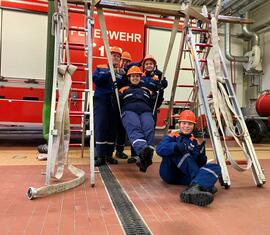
(137,117)
(184,162)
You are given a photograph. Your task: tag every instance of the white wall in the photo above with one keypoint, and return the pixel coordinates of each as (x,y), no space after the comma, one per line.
(261,16)
(157,46)
(24,37)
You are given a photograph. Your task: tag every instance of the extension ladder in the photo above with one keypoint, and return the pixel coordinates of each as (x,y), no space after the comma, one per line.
(199,70)
(59,134)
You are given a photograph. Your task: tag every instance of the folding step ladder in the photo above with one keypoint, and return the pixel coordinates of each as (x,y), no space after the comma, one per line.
(200,72)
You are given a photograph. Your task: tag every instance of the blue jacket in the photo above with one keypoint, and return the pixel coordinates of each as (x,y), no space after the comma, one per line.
(136,99)
(175,145)
(103,80)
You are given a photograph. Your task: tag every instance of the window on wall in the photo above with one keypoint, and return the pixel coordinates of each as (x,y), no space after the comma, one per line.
(23,45)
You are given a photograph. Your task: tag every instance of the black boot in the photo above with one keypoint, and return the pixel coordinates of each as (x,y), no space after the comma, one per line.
(111,160)
(99,161)
(132,159)
(145,158)
(43,148)
(121,155)
(214,190)
(195,195)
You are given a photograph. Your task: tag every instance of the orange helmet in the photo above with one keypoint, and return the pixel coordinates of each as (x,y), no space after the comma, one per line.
(149,57)
(187,116)
(126,55)
(116,49)
(134,70)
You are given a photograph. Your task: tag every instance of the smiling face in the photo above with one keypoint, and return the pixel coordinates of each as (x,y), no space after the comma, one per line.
(135,78)
(186,127)
(116,58)
(149,65)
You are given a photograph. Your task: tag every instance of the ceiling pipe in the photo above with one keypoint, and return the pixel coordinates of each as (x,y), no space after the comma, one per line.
(228,54)
(251,6)
(249,34)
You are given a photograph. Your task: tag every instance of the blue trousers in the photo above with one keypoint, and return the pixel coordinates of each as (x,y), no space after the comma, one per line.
(105,126)
(140,129)
(183,170)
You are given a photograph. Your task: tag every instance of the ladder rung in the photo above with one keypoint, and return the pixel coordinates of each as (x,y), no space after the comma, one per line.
(78,48)
(203,60)
(179,102)
(79,29)
(199,30)
(74,10)
(76,115)
(76,130)
(76,99)
(187,69)
(80,68)
(240,162)
(78,82)
(79,112)
(198,51)
(77,64)
(75,145)
(203,44)
(79,90)
(186,86)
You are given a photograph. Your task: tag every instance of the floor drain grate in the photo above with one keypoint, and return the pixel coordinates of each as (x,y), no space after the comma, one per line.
(130,219)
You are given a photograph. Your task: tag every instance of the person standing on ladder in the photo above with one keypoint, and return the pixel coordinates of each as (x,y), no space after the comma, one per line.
(104,110)
(121,82)
(137,117)
(184,163)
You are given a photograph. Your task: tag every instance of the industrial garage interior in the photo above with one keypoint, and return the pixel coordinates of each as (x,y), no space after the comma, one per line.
(84,149)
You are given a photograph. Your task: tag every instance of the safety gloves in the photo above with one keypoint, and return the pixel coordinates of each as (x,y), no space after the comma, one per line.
(202,148)
(164,83)
(180,147)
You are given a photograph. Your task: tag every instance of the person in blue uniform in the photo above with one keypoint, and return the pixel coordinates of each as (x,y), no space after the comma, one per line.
(104,111)
(151,79)
(121,82)
(137,117)
(184,162)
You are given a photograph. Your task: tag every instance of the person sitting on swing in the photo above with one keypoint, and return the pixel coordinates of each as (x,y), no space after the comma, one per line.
(137,117)
(184,162)
(151,79)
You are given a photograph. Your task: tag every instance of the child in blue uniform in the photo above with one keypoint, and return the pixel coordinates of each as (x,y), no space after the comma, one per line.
(184,162)
(151,79)
(105,113)
(137,117)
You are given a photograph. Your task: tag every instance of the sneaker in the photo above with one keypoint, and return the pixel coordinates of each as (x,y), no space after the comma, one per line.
(99,161)
(121,155)
(195,195)
(132,160)
(111,160)
(43,148)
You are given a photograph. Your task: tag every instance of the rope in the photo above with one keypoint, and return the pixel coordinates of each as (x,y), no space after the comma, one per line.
(108,52)
(221,102)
